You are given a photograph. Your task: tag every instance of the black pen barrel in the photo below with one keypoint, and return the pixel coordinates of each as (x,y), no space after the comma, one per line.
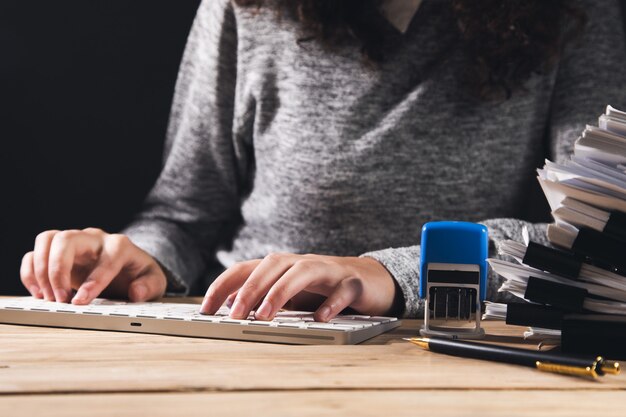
(504,354)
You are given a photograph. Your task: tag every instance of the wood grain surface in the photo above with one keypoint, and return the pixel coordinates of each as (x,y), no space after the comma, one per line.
(395,403)
(111,373)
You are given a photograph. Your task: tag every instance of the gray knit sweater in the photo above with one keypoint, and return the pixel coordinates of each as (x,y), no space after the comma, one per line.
(276,146)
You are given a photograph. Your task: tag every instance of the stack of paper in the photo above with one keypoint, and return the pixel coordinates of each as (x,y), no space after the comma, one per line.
(587,195)
(596,173)
(586,273)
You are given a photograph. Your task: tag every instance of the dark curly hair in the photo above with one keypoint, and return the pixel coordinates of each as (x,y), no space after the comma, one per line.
(506,40)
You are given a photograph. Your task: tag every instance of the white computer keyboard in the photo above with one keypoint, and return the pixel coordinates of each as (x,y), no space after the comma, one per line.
(297,327)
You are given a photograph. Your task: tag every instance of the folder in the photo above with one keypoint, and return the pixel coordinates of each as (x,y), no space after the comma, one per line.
(590,334)
(563,297)
(516,279)
(552,260)
(534,315)
(561,263)
(600,248)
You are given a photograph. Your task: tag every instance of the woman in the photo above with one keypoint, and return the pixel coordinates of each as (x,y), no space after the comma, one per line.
(310,140)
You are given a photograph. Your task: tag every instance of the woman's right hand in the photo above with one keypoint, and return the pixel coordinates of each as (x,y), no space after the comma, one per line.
(91,262)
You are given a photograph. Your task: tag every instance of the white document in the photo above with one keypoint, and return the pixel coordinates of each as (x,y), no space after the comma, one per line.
(517,277)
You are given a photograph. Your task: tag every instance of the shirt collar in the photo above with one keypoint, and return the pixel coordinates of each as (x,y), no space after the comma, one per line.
(400,13)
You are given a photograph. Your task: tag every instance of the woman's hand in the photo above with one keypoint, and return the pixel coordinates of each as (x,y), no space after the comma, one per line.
(90,261)
(360,283)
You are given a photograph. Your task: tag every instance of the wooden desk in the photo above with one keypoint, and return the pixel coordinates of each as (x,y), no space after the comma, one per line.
(64,372)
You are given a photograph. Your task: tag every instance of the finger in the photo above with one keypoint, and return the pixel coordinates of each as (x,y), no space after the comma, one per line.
(99,278)
(259,283)
(27,275)
(114,256)
(40,262)
(228,282)
(64,249)
(147,287)
(309,299)
(231,299)
(303,274)
(346,293)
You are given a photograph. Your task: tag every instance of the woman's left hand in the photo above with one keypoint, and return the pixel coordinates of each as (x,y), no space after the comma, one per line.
(360,283)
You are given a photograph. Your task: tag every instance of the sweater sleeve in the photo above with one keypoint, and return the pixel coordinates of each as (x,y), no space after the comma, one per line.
(589,76)
(196,195)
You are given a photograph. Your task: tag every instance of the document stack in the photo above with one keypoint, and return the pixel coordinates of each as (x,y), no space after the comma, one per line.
(576,289)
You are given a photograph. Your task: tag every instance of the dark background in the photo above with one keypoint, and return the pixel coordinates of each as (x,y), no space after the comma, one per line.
(85,91)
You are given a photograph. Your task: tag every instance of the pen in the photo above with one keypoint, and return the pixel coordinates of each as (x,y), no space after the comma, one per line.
(544,361)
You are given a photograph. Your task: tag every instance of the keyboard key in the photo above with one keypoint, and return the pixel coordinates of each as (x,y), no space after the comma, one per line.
(210,319)
(355,323)
(328,326)
(234,321)
(295,325)
(288,320)
(383,319)
(260,323)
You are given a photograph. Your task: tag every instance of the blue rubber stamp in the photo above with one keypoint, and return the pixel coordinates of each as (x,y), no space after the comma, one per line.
(453,277)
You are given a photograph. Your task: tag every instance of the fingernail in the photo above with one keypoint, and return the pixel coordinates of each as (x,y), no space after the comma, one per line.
(265,311)
(60,294)
(35,291)
(238,310)
(141,291)
(324,313)
(81,296)
(229,302)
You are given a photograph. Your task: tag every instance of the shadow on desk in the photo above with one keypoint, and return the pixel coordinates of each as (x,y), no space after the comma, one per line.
(410,328)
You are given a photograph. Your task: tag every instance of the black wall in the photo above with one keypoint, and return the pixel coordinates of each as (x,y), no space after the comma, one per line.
(85,91)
